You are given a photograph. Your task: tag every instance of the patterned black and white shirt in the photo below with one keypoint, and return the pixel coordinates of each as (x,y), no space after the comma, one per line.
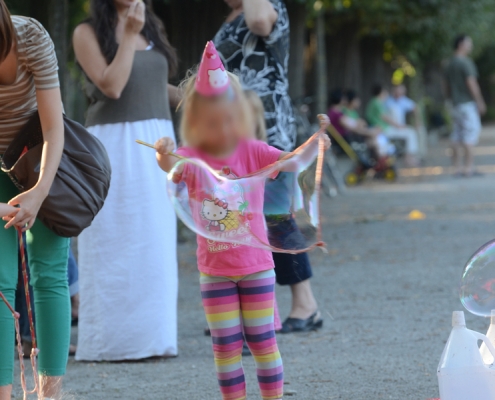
(262,64)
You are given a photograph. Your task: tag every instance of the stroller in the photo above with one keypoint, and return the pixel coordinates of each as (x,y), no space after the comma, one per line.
(365,161)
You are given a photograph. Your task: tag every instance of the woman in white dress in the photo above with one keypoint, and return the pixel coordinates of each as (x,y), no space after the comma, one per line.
(127,258)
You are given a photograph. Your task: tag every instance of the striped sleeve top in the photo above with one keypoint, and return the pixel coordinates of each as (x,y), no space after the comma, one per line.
(37,69)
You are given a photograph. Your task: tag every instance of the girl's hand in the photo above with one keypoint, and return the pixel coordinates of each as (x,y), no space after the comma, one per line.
(8,211)
(30,203)
(324,123)
(165,146)
(326,141)
(177,177)
(135,20)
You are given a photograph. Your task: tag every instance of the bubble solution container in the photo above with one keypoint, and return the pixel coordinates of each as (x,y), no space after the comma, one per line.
(462,373)
(485,352)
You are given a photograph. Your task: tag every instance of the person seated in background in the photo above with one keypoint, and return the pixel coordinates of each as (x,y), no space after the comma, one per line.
(399,106)
(351,110)
(376,114)
(345,118)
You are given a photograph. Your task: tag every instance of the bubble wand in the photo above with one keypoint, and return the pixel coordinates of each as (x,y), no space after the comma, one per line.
(153,147)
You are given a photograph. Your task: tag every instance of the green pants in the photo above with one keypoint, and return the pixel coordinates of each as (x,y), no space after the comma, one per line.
(48,255)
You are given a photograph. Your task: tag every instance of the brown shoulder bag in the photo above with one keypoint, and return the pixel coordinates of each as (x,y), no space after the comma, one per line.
(82,181)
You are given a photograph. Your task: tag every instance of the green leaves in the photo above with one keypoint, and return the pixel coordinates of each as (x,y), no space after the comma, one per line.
(421,29)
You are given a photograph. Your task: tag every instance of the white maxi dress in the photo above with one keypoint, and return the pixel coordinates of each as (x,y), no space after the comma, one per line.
(127,258)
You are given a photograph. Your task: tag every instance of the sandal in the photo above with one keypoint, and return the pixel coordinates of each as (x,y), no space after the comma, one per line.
(313,323)
(474,174)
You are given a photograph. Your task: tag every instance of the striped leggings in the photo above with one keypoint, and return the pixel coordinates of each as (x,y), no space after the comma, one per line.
(233,305)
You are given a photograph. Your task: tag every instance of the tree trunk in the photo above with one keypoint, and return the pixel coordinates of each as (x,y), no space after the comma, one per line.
(373,69)
(297,16)
(58,19)
(321,66)
(190,24)
(433,82)
(344,58)
(40,10)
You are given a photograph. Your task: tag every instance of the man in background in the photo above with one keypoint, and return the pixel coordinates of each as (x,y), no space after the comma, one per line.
(399,107)
(462,86)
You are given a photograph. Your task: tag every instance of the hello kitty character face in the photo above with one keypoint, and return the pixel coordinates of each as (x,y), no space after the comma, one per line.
(214,210)
(218,78)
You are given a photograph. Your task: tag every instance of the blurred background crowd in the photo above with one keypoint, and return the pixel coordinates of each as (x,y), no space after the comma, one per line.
(334,43)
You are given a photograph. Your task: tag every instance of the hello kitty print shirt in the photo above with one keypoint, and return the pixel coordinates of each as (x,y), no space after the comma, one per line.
(229,213)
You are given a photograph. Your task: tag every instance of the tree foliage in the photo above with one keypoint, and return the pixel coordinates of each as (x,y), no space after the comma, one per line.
(421,29)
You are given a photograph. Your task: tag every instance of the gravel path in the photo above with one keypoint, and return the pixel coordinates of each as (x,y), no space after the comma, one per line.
(386,289)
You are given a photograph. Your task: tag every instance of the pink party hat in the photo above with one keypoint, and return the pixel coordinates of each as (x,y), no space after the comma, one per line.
(212,79)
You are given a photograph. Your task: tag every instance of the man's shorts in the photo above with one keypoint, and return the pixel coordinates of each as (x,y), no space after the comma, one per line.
(467,124)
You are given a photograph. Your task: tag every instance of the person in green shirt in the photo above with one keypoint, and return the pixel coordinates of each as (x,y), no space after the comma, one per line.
(376,114)
(461,76)
(352,105)
(375,137)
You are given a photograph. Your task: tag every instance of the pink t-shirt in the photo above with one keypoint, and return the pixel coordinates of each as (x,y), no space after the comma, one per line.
(227,259)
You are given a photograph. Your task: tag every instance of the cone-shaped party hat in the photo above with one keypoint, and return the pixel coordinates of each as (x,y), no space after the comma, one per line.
(212,79)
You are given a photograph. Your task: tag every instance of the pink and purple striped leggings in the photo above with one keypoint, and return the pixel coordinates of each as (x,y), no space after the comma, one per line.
(243,303)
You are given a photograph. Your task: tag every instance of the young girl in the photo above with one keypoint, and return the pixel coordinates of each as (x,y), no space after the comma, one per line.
(237,282)
(258,111)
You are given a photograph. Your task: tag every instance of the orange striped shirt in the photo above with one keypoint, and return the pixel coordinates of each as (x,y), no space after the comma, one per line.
(37,69)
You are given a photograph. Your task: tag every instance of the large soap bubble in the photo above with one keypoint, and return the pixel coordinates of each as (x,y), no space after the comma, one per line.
(477,290)
(222,208)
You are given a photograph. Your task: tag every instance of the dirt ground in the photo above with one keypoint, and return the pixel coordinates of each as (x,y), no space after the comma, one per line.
(386,290)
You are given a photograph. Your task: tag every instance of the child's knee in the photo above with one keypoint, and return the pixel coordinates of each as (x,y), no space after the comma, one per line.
(228,351)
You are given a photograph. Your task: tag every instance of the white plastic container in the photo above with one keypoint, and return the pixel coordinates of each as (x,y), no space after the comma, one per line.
(462,374)
(485,353)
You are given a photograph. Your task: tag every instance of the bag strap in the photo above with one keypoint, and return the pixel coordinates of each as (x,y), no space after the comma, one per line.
(22,252)
(16,315)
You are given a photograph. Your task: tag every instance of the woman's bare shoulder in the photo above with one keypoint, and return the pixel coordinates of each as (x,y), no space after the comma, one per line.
(84,30)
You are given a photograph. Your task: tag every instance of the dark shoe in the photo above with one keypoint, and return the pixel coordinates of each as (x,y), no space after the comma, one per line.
(474,174)
(27,347)
(313,323)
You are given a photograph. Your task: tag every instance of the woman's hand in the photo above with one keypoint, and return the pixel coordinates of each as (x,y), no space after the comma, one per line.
(260,16)
(165,146)
(30,203)
(135,20)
